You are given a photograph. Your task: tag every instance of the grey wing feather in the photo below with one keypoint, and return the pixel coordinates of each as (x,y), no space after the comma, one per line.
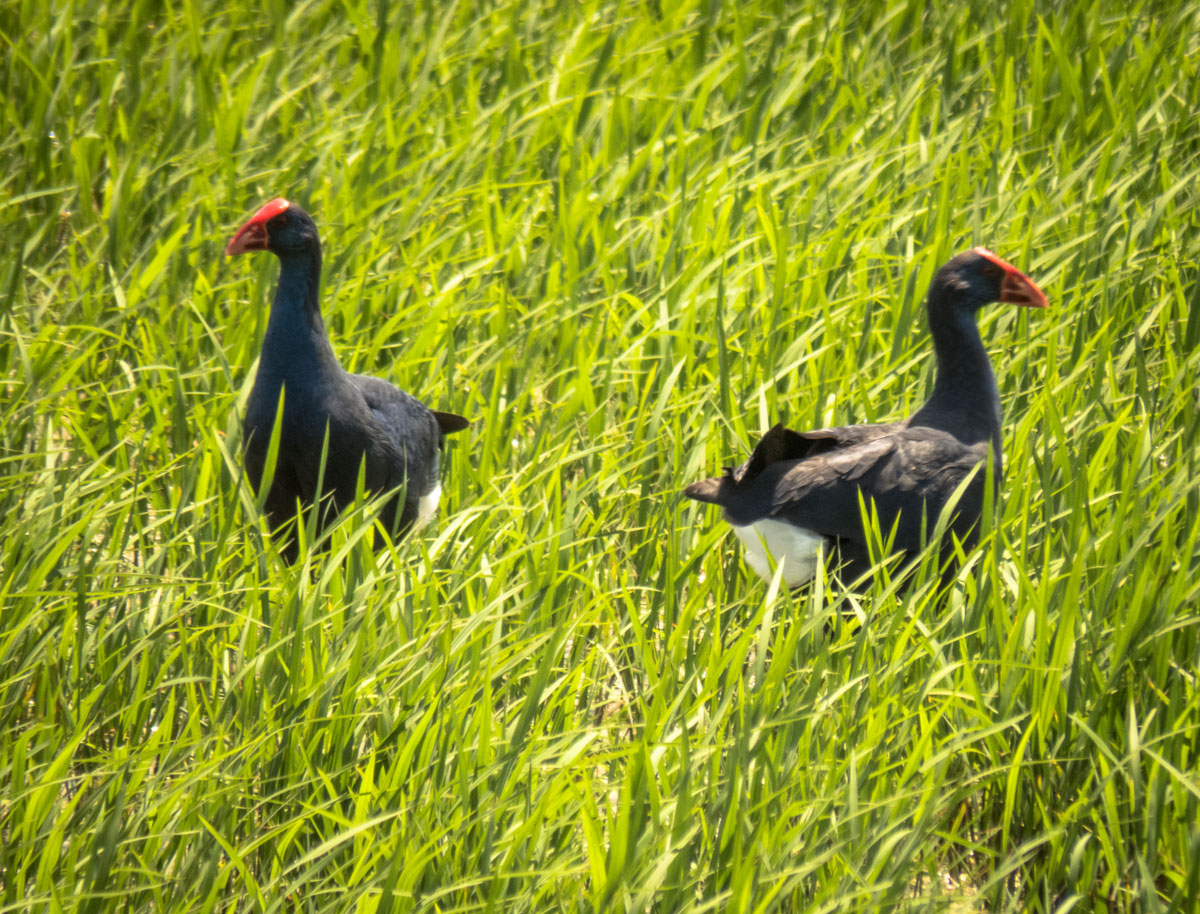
(735,488)
(413,431)
(782,444)
(908,476)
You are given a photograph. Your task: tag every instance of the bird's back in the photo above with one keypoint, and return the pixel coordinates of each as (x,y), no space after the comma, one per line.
(815,480)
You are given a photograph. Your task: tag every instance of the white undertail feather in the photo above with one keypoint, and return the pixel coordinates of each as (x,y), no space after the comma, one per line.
(427,505)
(794,548)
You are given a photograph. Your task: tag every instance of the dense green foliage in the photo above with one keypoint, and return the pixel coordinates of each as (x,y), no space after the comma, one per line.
(625,239)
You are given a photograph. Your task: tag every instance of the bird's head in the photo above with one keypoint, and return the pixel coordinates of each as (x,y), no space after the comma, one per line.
(279,227)
(978,277)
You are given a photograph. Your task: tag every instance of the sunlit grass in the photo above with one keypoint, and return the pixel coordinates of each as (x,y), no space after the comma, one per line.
(624,240)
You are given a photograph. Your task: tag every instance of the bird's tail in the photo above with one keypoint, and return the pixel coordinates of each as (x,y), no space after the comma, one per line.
(712,491)
(450,422)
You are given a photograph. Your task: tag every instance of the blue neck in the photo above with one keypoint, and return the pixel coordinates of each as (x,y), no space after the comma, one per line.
(295,347)
(965,399)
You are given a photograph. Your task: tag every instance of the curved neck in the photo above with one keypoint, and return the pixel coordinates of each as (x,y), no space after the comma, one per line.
(965,399)
(295,346)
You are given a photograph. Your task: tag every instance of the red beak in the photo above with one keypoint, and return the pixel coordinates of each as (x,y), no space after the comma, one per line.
(1016,288)
(253,235)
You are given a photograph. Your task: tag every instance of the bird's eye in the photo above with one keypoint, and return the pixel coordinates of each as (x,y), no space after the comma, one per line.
(279,221)
(989,269)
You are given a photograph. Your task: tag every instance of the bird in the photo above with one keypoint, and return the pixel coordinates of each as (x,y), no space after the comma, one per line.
(802,494)
(360,423)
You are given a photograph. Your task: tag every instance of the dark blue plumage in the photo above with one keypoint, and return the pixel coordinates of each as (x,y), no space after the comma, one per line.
(800,491)
(372,426)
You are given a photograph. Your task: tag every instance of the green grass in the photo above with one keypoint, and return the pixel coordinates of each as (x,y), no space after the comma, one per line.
(625,239)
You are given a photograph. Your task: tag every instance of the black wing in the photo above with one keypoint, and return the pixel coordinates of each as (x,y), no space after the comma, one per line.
(414,432)
(909,474)
(782,445)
